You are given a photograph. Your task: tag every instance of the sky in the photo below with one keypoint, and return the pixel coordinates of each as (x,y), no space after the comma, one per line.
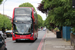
(9,5)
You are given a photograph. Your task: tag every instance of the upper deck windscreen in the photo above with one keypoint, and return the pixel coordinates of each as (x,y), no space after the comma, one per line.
(22,11)
(23,14)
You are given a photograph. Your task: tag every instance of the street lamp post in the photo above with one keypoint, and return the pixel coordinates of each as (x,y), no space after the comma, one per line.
(3,16)
(3,7)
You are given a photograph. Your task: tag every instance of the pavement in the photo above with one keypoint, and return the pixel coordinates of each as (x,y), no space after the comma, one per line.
(53,43)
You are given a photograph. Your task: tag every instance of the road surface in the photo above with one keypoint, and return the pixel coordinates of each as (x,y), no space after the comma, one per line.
(24,45)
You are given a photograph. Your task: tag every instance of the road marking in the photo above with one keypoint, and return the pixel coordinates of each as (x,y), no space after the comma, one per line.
(41,43)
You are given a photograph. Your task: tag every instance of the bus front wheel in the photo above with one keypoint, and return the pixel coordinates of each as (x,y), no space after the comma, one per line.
(17,40)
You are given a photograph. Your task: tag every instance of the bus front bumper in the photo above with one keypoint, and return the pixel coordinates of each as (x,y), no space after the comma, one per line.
(22,38)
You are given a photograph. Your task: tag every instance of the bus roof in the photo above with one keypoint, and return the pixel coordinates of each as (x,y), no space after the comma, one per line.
(24,7)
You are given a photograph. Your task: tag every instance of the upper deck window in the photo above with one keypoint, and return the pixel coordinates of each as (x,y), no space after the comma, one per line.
(22,11)
(23,14)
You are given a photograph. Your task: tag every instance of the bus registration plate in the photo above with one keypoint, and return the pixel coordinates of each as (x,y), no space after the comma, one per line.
(22,39)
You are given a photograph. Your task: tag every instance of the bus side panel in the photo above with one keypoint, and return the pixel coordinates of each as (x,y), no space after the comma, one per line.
(35,22)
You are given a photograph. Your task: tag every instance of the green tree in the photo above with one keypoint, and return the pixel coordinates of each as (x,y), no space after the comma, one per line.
(40,21)
(60,12)
(49,24)
(1,1)
(5,22)
(27,4)
(1,21)
(43,23)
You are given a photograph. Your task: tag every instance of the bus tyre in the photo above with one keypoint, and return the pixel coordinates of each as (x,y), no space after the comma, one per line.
(32,40)
(17,40)
(36,38)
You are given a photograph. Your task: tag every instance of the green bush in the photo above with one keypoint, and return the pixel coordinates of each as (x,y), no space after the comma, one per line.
(56,29)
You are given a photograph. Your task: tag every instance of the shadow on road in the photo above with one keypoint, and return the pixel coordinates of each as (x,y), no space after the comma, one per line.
(29,41)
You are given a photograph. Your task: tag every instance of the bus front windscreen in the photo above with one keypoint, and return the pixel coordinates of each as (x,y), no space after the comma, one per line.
(22,28)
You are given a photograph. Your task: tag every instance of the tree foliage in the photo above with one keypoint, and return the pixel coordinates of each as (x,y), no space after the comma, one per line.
(1,1)
(27,4)
(5,22)
(60,12)
(41,8)
(40,21)
(50,25)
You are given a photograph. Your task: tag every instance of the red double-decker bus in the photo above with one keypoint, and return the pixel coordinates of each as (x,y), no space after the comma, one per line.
(24,24)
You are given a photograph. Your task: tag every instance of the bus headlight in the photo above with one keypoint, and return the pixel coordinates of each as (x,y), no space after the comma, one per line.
(31,34)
